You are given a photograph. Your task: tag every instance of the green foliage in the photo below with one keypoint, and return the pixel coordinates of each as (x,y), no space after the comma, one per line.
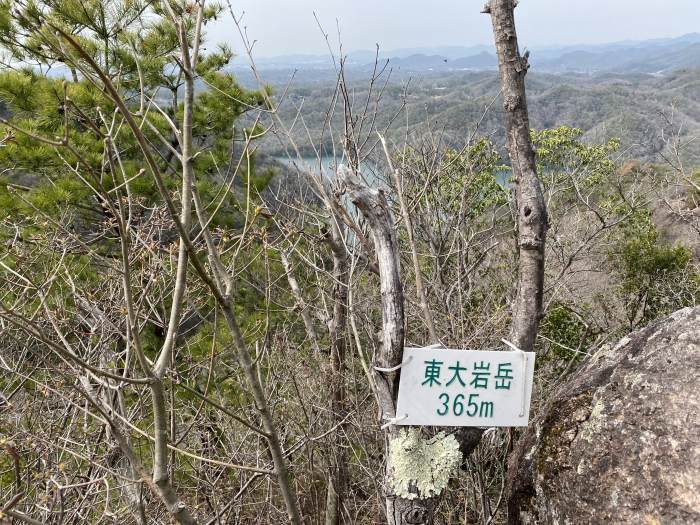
(643,257)
(565,331)
(561,156)
(62,176)
(478,172)
(655,278)
(471,177)
(60,194)
(561,147)
(135,43)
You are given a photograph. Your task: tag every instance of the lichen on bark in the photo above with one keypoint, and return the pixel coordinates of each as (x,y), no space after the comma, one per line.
(421,467)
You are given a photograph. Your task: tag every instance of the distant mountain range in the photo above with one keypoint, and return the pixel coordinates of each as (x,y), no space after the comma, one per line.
(657,56)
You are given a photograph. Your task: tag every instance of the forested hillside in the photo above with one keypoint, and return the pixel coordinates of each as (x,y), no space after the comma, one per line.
(217,288)
(643,111)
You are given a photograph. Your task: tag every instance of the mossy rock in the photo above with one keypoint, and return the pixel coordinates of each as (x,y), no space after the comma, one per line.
(618,443)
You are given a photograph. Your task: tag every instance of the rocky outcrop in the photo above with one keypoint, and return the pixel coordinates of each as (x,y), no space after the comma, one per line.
(620,441)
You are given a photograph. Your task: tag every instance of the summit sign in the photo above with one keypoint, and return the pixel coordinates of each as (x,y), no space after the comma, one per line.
(441,387)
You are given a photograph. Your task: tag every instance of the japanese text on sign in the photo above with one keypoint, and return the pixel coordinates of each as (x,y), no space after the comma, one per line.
(465,388)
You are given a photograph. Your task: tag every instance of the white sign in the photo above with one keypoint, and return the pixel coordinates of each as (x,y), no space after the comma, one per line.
(464,388)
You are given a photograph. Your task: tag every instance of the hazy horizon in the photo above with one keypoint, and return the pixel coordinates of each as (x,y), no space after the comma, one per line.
(284,27)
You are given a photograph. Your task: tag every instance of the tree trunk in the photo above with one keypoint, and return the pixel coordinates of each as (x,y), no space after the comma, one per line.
(532,212)
(338,472)
(375,209)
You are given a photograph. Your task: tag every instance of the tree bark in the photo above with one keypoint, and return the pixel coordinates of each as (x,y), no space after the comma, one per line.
(338,472)
(301,303)
(376,211)
(531,209)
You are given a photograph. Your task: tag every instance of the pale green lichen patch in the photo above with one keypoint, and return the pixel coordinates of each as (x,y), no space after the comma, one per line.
(594,423)
(422,467)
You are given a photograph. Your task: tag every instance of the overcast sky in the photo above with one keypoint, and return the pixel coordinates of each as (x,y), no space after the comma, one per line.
(288,26)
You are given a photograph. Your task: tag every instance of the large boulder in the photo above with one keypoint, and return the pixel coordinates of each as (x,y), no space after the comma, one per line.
(620,441)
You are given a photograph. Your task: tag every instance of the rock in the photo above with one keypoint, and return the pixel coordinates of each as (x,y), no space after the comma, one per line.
(620,441)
